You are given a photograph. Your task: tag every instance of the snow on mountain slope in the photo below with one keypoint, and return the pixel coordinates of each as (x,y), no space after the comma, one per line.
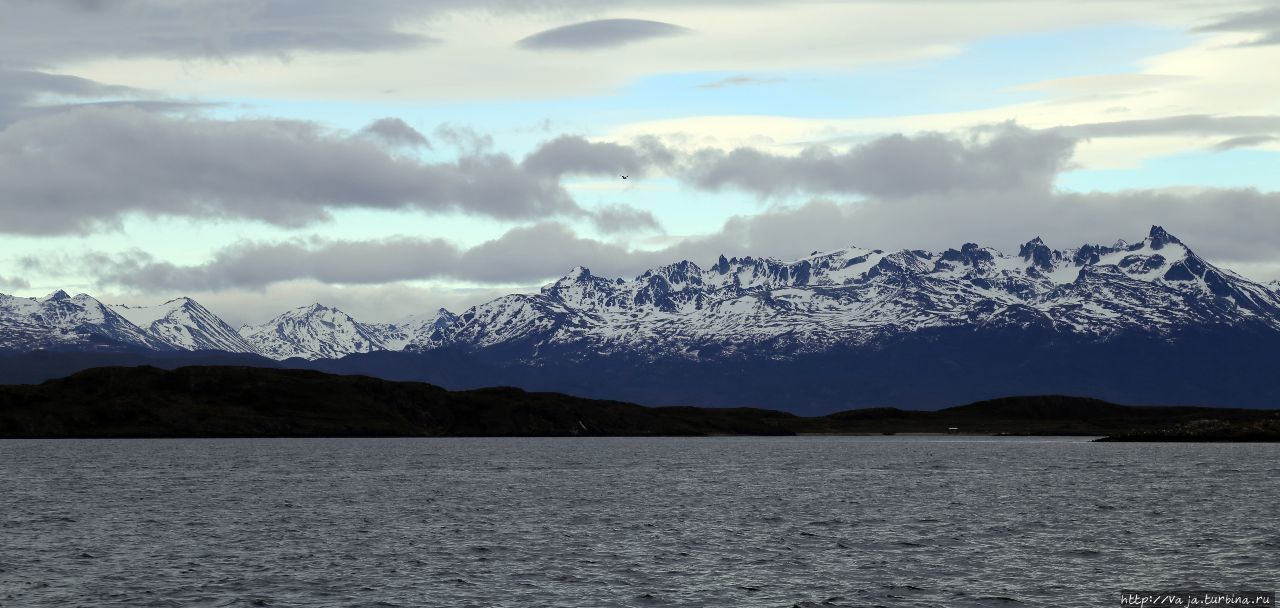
(417,329)
(312,332)
(766,307)
(19,330)
(185,325)
(62,321)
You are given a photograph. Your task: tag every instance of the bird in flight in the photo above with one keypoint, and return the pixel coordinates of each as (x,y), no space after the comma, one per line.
(623,176)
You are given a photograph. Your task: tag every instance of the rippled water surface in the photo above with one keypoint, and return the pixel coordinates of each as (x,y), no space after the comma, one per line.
(814,521)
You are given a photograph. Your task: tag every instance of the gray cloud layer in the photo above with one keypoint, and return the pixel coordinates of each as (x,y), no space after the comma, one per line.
(894,166)
(78,170)
(13,283)
(36,33)
(1265,22)
(928,191)
(1191,124)
(1244,141)
(516,256)
(81,169)
(617,218)
(572,154)
(30,93)
(602,33)
(40,33)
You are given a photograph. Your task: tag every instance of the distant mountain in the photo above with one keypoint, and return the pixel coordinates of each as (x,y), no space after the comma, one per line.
(313,332)
(183,324)
(1147,320)
(82,323)
(761,307)
(61,322)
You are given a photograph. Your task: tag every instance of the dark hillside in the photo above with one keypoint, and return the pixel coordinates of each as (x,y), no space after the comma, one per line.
(232,401)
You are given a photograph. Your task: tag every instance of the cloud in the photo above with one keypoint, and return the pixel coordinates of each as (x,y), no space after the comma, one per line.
(738,81)
(45,33)
(618,218)
(395,132)
(1191,124)
(1008,157)
(24,83)
(603,33)
(522,254)
(81,170)
(572,154)
(30,93)
(463,139)
(7,283)
(77,171)
(49,32)
(1265,22)
(252,264)
(1244,141)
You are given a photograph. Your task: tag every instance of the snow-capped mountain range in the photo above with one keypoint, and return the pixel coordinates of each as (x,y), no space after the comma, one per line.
(736,307)
(858,297)
(60,320)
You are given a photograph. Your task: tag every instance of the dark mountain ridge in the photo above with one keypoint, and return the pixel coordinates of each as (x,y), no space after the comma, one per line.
(230,401)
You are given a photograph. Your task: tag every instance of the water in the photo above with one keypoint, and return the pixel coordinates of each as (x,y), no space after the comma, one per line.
(813,521)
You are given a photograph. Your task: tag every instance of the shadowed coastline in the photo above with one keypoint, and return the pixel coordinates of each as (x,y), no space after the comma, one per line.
(230,401)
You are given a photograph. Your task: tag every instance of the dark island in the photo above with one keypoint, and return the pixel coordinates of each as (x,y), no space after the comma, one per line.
(229,401)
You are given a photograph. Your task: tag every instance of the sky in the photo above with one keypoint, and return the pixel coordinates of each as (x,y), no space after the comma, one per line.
(390,157)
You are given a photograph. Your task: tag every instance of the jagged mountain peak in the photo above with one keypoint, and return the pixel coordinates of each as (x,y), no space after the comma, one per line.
(56,296)
(970,254)
(184,324)
(1038,254)
(676,275)
(315,331)
(315,309)
(1159,237)
(577,273)
(311,310)
(575,279)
